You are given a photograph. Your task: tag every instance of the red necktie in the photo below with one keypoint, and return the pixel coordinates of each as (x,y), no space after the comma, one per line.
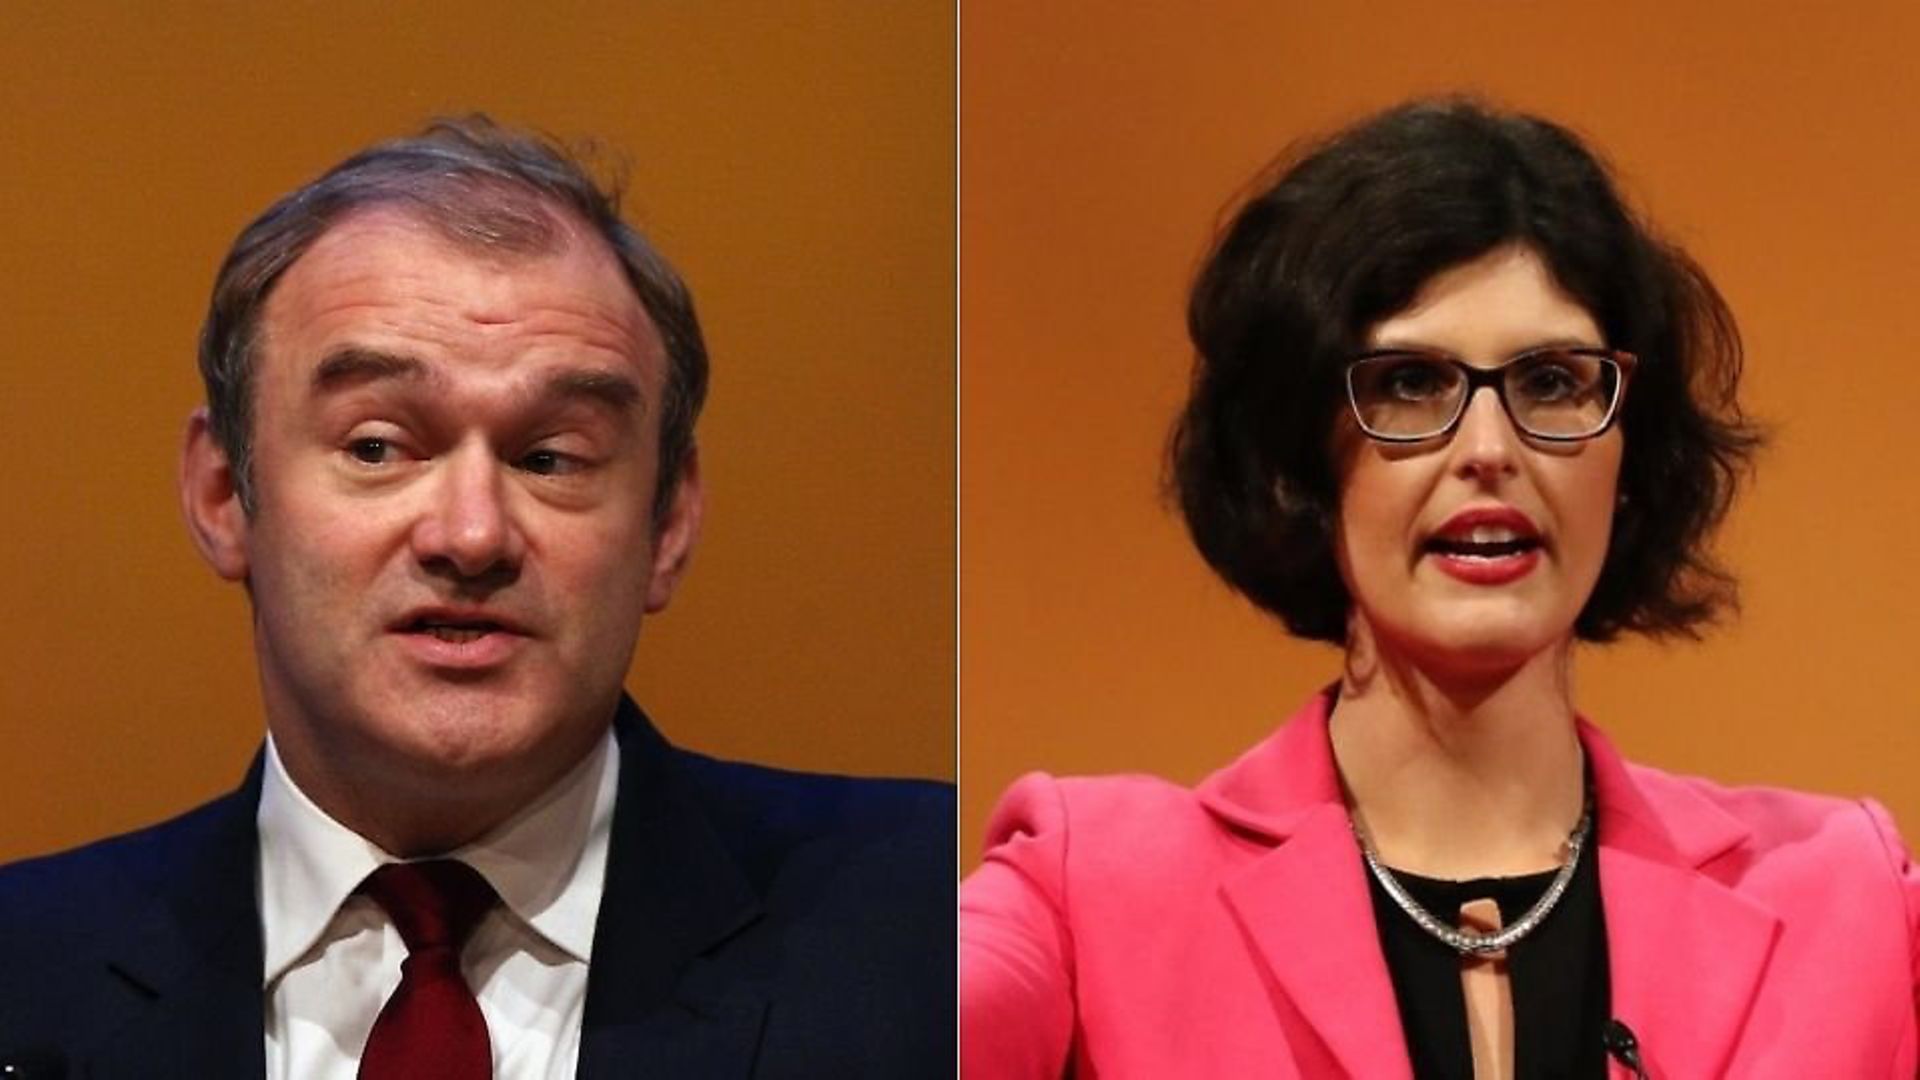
(431,1028)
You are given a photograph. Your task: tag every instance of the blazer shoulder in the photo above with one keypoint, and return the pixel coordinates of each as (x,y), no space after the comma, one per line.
(1774,838)
(1773,816)
(781,824)
(1124,808)
(1126,834)
(80,884)
(804,804)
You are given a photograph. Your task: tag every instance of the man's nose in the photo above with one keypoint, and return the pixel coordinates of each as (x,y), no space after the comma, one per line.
(1486,444)
(468,529)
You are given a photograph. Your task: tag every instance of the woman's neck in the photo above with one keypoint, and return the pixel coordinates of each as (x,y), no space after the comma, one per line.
(1459,776)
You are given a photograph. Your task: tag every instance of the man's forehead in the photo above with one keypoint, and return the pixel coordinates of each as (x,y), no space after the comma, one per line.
(394,267)
(397,233)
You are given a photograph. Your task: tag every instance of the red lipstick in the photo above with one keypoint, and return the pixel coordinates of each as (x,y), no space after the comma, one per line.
(1486,545)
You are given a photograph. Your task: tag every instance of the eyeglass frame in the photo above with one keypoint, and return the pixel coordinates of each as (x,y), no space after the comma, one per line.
(1494,377)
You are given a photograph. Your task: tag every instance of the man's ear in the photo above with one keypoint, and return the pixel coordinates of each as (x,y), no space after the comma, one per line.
(211,501)
(675,533)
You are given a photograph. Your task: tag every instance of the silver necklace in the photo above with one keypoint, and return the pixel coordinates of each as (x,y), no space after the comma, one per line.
(1466,942)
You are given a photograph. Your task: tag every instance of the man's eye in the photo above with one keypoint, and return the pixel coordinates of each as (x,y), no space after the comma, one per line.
(549,463)
(371,451)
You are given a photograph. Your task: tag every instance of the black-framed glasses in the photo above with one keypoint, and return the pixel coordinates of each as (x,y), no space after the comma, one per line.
(1556,394)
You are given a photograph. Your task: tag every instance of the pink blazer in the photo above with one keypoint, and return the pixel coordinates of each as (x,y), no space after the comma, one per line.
(1128,927)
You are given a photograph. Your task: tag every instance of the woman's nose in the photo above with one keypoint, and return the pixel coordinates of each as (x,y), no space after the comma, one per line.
(1486,443)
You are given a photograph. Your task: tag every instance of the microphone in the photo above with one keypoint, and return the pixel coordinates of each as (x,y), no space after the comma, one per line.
(1624,1048)
(33,1063)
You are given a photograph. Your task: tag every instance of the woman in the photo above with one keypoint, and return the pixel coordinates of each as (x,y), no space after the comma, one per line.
(1454,409)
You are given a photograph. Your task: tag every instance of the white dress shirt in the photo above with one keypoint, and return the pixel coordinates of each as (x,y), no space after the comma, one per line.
(333,957)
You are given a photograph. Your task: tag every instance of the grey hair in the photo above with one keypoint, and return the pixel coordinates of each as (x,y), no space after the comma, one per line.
(482,186)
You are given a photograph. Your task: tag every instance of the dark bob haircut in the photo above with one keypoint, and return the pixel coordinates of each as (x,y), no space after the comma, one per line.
(1343,234)
(485,187)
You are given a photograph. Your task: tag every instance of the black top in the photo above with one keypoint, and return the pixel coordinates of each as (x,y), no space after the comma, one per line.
(1558,974)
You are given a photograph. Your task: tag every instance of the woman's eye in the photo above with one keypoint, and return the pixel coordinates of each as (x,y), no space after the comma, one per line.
(1549,382)
(371,451)
(1415,381)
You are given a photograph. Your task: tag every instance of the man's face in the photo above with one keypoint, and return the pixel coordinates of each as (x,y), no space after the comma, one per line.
(452,547)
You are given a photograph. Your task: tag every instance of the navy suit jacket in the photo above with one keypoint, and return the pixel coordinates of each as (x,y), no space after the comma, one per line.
(755,923)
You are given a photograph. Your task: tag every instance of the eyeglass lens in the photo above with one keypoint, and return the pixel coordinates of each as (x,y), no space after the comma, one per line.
(1552,394)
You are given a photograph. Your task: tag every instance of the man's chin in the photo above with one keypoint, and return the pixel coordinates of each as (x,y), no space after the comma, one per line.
(456,730)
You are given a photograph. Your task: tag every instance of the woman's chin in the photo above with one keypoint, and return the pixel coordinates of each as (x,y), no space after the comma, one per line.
(1472,645)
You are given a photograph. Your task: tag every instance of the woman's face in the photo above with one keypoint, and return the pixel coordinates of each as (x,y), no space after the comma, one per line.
(1476,552)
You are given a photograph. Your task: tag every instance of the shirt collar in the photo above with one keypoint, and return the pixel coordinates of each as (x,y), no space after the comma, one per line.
(548,862)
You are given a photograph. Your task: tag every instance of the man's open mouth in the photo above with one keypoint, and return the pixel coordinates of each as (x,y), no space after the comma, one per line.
(454,632)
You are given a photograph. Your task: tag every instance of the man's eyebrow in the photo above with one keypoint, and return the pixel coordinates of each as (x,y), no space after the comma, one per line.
(613,390)
(354,364)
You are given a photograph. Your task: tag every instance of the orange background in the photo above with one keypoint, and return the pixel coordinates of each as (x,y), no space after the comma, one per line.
(1099,144)
(795,160)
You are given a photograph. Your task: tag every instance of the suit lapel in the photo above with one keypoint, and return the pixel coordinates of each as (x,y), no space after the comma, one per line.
(1686,954)
(183,990)
(658,1001)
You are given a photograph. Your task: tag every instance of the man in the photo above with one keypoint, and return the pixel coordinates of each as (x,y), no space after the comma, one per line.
(448,449)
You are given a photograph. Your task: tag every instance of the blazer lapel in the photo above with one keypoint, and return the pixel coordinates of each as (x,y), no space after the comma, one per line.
(182,980)
(1306,913)
(659,1002)
(1686,954)
(1304,908)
